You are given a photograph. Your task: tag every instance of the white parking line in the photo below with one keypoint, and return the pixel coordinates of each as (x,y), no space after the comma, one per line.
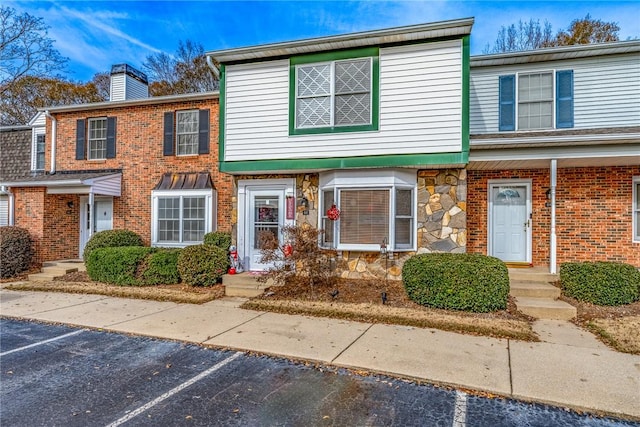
(41,342)
(460,411)
(174,390)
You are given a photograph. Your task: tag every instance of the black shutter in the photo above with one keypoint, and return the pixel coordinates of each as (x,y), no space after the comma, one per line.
(507,101)
(111,137)
(80,140)
(168,146)
(203,132)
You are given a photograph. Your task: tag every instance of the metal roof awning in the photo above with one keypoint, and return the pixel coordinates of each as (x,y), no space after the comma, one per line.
(185,181)
(99,183)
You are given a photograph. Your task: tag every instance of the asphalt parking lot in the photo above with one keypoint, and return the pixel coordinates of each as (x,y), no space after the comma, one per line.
(54,375)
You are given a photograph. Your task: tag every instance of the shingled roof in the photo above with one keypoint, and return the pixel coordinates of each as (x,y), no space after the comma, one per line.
(15,152)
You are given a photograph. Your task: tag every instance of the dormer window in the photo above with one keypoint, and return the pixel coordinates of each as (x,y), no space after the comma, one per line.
(37,159)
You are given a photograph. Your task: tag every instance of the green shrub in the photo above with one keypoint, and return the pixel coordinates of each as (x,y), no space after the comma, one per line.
(160,267)
(202,265)
(219,239)
(469,282)
(16,251)
(601,283)
(117,265)
(111,239)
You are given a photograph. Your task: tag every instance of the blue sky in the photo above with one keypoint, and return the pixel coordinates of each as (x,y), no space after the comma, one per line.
(96,34)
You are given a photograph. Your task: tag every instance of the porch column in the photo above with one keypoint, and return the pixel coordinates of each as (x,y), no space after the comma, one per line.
(552,245)
(91,215)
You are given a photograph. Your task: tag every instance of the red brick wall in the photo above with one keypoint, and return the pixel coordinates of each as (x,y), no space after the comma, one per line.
(29,214)
(139,141)
(593,213)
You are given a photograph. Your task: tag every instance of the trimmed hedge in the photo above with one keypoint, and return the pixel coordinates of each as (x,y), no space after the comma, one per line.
(469,282)
(111,239)
(160,268)
(219,239)
(202,265)
(601,283)
(116,265)
(16,251)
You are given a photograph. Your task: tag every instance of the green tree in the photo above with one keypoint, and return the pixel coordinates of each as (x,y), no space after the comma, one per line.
(588,30)
(185,72)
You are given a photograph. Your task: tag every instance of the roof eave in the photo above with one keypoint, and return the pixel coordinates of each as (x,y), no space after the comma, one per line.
(459,27)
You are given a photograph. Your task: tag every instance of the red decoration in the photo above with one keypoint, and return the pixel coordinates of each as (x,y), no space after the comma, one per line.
(333,213)
(287,250)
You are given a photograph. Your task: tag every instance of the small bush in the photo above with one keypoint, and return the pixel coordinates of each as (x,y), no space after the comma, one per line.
(160,268)
(469,282)
(117,265)
(16,251)
(601,283)
(202,265)
(111,239)
(219,239)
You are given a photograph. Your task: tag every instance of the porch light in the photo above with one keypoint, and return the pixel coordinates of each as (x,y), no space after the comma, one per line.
(383,247)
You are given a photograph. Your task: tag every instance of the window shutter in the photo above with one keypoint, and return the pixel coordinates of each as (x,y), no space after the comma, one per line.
(507,100)
(168,146)
(564,99)
(80,140)
(111,137)
(203,132)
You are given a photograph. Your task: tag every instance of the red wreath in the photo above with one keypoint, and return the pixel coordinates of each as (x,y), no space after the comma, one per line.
(333,213)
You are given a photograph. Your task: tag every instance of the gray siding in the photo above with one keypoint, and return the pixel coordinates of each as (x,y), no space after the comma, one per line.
(606,91)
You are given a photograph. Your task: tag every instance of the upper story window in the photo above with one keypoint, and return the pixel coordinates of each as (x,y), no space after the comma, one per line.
(334,92)
(96,138)
(38,152)
(190,134)
(540,100)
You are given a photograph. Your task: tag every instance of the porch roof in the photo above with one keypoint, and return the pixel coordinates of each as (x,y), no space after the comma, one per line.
(185,181)
(107,183)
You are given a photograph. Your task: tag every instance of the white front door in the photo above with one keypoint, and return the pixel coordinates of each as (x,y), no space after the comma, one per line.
(510,221)
(262,209)
(94,219)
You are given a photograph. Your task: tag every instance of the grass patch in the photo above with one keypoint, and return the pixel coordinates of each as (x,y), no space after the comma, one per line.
(375,313)
(621,333)
(170,293)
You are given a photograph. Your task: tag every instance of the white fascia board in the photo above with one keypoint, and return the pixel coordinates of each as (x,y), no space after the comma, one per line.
(551,139)
(628,150)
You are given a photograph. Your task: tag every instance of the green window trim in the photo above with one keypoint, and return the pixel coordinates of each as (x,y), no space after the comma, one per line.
(373,53)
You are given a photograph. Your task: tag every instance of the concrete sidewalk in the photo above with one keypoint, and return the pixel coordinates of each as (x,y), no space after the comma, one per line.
(569,368)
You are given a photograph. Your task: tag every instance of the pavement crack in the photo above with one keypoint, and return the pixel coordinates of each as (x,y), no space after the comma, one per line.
(232,328)
(352,343)
(510,369)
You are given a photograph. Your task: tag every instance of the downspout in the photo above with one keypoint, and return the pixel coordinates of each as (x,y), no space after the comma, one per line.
(54,127)
(553,243)
(213,67)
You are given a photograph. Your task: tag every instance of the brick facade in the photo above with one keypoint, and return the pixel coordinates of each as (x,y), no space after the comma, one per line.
(593,213)
(54,223)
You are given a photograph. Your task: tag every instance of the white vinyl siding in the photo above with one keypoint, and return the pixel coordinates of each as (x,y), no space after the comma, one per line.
(606,91)
(4,210)
(420,109)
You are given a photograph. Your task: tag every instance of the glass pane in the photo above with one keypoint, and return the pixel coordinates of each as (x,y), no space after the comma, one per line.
(327,224)
(313,112)
(352,109)
(364,217)
(187,121)
(97,138)
(314,80)
(403,232)
(404,203)
(266,217)
(353,76)
(509,195)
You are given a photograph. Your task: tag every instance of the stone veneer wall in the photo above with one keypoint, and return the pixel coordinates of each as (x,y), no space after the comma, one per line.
(441,219)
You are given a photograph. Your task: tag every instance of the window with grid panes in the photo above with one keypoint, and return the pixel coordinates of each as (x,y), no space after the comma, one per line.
(39,152)
(181,219)
(187,132)
(535,101)
(97,138)
(334,94)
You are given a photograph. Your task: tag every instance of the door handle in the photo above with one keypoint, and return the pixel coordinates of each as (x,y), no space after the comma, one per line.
(527,224)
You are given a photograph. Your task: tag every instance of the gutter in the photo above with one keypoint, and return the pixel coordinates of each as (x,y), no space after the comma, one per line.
(213,67)
(54,128)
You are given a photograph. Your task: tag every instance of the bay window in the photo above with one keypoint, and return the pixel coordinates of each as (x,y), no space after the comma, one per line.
(180,219)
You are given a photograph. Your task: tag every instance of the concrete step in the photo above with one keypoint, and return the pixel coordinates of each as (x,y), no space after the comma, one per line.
(243,285)
(536,275)
(546,308)
(43,277)
(78,265)
(533,290)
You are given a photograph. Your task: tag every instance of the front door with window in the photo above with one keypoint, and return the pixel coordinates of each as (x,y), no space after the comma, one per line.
(264,212)
(510,221)
(94,219)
